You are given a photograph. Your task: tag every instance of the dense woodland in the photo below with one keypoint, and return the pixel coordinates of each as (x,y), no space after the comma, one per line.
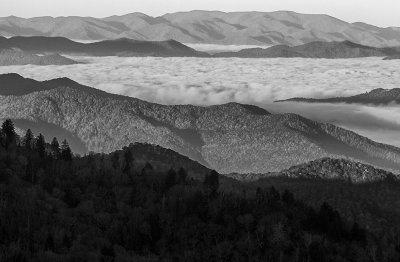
(55,206)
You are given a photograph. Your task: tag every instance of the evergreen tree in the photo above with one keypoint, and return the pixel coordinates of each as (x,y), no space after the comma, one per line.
(2,138)
(28,139)
(170,179)
(182,175)
(128,161)
(66,153)
(212,181)
(55,148)
(41,146)
(9,132)
(115,160)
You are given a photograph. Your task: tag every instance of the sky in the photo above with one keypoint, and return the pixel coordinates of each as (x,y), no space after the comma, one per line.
(381,13)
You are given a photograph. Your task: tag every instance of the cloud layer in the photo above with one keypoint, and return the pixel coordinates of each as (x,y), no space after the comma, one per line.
(205,81)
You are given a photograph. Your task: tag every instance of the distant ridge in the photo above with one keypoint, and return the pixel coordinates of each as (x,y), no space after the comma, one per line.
(10,57)
(118,47)
(377,96)
(345,49)
(207,27)
(172,48)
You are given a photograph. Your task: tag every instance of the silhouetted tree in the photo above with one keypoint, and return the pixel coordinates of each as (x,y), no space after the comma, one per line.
(41,146)
(115,160)
(170,179)
(28,139)
(66,153)
(182,175)
(212,180)
(128,161)
(55,148)
(9,132)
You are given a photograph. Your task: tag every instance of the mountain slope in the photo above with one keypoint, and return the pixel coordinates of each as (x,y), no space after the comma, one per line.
(344,49)
(338,169)
(377,96)
(212,27)
(119,47)
(228,138)
(17,57)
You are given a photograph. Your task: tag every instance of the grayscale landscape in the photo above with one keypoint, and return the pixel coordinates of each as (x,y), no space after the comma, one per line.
(199,135)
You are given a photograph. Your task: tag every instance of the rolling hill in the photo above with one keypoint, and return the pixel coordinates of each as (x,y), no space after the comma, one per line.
(211,27)
(228,138)
(345,49)
(17,57)
(118,47)
(377,96)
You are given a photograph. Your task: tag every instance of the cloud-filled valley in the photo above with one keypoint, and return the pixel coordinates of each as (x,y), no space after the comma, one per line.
(205,81)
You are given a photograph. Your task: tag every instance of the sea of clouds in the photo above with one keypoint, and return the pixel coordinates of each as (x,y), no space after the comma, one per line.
(208,81)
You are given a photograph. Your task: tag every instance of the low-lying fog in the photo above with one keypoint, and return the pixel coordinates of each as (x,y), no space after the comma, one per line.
(205,81)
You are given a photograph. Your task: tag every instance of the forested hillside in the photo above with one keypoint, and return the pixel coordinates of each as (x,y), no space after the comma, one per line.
(60,207)
(228,138)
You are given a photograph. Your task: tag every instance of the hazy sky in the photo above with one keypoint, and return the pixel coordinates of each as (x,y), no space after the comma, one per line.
(377,12)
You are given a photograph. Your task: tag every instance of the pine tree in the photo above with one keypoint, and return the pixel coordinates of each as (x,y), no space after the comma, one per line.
(9,132)
(66,153)
(128,161)
(115,160)
(55,148)
(170,179)
(41,146)
(212,181)
(28,139)
(182,175)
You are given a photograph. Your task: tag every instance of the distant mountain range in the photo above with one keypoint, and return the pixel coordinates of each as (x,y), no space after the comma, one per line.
(18,57)
(229,138)
(377,96)
(211,27)
(345,49)
(172,48)
(119,47)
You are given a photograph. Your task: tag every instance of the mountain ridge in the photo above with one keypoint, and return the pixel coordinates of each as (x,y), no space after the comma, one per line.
(207,27)
(115,47)
(377,96)
(229,138)
(172,48)
(344,49)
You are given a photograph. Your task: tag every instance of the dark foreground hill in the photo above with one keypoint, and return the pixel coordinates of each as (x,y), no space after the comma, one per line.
(56,207)
(118,47)
(344,49)
(229,138)
(378,96)
(10,57)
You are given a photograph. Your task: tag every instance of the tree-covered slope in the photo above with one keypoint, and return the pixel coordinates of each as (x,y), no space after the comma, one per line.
(56,207)
(228,138)
(9,57)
